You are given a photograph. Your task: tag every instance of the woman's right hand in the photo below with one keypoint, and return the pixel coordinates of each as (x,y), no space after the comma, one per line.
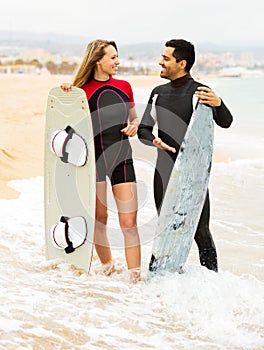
(66,86)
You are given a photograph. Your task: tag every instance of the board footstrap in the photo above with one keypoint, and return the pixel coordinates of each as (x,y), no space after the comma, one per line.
(69,146)
(69,233)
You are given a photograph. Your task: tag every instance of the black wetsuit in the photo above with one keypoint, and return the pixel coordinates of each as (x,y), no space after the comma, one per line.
(174,107)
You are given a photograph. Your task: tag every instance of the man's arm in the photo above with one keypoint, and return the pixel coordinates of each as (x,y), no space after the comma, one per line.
(145,129)
(222,115)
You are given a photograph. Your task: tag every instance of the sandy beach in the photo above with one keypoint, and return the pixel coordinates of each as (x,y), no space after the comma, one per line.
(47,304)
(22,116)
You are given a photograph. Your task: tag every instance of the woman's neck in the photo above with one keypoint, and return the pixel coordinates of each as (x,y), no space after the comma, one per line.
(101,76)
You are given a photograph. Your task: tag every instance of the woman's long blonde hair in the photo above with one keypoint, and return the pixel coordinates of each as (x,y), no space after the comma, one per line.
(94,52)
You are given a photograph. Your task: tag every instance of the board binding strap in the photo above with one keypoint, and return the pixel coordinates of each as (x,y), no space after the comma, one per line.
(69,233)
(69,146)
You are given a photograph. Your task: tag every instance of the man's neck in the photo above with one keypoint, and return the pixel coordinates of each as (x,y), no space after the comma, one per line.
(180,81)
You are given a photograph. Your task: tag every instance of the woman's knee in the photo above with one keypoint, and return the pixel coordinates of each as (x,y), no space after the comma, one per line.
(128,222)
(101,217)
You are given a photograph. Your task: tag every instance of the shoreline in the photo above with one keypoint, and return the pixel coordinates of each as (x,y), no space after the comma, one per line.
(22,114)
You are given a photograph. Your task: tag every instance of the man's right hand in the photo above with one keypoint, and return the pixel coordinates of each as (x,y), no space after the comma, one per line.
(162,145)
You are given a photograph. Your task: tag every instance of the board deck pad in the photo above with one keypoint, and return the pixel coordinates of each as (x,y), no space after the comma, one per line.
(69,176)
(185,196)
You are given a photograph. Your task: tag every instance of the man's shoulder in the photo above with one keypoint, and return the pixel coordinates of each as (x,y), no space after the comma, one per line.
(199,83)
(161,88)
(193,84)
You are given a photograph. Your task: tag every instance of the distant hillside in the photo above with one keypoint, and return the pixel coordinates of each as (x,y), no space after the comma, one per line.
(55,43)
(236,48)
(11,42)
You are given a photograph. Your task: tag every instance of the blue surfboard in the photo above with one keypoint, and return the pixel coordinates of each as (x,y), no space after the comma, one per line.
(185,195)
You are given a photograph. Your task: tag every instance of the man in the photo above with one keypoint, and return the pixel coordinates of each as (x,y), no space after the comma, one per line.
(173,106)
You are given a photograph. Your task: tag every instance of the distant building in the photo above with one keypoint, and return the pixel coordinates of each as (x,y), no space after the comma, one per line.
(18,68)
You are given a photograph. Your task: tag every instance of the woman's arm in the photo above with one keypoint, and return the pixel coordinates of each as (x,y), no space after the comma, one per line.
(132,127)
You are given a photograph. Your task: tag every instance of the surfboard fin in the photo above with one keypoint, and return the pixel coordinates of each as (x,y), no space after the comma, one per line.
(69,233)
(69,146)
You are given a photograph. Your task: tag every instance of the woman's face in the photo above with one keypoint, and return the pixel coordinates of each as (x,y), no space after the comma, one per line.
(109,63)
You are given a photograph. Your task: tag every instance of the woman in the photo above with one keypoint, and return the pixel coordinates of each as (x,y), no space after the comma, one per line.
(112,106)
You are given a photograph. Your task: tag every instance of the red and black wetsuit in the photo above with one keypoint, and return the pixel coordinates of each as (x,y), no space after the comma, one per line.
(174,108)
(110,102)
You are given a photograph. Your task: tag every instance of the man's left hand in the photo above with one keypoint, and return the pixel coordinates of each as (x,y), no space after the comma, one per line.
(208,96)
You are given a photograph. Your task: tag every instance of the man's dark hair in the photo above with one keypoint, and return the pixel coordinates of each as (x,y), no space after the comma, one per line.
(183,50)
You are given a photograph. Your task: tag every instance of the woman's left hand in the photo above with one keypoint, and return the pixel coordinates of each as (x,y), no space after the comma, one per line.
(130,130)
(66,86)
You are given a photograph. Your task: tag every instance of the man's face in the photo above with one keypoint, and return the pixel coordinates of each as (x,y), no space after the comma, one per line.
(170,69)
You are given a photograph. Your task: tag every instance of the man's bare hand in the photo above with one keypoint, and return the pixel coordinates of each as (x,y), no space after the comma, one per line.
(208,96)
(162,145)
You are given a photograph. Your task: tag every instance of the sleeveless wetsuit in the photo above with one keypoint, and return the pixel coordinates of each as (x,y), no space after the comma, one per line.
(174,109)
(109,103)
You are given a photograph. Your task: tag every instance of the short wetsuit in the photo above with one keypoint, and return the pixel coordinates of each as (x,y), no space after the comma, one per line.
(109,103)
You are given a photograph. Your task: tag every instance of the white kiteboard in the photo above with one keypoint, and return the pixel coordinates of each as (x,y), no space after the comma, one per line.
(69,178)
(185,195)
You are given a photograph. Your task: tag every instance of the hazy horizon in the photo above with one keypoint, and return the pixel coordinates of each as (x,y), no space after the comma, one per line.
(218,22)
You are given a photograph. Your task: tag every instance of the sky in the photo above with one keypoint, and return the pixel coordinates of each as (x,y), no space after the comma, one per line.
(137,21)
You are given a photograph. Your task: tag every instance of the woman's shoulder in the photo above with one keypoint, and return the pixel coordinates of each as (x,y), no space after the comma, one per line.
(121,82)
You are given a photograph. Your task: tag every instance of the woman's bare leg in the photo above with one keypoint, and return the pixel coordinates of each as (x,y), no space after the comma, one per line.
(126,200)
(100,233)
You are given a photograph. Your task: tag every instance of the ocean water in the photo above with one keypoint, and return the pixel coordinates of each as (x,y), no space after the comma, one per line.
(244,98)
(51,305)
